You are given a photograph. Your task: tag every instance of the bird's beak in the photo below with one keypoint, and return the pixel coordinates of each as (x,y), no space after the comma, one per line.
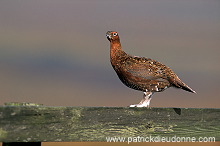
(108,36)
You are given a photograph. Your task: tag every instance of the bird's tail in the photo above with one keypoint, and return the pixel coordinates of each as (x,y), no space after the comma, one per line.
(179,84)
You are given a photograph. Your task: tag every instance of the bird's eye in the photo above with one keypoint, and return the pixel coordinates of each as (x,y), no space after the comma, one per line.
(115,34)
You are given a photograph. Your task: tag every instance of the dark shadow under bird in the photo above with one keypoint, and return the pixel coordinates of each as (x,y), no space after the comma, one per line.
(140,73)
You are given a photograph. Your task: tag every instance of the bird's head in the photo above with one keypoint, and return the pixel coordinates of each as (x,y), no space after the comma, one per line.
(112,36)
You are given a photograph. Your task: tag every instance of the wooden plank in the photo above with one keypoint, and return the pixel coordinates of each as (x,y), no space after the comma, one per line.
(71,124)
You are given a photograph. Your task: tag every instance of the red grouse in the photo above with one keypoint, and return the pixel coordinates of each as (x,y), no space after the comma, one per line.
(140,73)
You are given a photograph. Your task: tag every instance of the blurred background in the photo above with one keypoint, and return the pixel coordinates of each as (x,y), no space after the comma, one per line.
(56,53)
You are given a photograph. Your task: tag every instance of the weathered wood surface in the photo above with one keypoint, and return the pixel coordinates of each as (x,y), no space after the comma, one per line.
(50,124)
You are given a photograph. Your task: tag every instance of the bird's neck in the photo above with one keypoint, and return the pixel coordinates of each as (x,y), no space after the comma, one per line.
(115,49)
(116,52)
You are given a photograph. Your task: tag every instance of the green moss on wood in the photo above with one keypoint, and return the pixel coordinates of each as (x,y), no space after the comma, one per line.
(3,134)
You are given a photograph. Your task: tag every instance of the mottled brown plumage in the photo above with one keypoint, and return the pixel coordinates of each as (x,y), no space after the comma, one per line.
(141,73)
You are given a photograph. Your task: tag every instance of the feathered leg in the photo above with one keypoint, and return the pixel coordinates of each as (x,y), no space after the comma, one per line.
(145,102)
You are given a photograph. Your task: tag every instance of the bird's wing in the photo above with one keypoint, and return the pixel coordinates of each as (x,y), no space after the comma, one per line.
(154,71)
(145,68)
